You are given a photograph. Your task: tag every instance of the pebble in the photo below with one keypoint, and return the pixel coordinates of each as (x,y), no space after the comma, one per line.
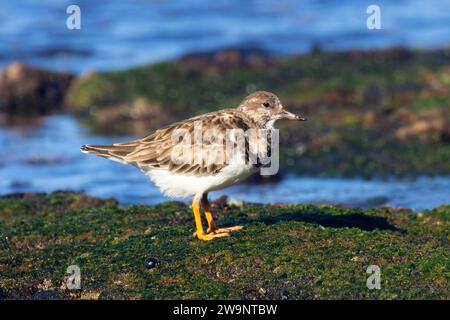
(151,263)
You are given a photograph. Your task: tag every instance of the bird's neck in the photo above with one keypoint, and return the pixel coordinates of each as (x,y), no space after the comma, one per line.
(270,125)
(263,122)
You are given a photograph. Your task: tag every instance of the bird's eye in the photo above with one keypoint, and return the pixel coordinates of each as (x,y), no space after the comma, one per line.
(266,104)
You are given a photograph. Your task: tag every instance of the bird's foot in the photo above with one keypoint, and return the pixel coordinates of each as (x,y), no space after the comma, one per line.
(227,229)
(209,236)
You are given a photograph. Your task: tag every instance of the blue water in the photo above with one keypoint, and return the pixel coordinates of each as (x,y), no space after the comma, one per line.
(120,34)
(46,157)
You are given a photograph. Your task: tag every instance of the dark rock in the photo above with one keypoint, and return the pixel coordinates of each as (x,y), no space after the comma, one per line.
(48,295)
(221,60)
(151,263)
(27,91)
(58,201)
(136,117)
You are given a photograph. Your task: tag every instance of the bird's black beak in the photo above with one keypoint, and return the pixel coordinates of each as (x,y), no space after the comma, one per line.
(290,116)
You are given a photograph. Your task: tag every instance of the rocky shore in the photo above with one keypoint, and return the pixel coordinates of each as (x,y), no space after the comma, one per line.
(284,251)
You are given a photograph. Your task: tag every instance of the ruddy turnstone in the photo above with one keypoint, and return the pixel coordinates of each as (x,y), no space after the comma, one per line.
(205,163)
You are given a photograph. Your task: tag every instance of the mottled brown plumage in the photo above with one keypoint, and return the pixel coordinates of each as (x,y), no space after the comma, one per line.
(155,149)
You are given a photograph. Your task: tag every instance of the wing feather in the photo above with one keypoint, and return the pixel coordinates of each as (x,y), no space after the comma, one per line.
(155,150)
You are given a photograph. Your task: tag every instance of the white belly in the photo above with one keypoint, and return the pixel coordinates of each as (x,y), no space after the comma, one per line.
(181,185)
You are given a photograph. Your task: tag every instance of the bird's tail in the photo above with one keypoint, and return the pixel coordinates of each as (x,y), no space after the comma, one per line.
(115,152)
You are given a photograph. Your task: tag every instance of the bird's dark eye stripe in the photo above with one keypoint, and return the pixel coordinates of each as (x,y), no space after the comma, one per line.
(266,104)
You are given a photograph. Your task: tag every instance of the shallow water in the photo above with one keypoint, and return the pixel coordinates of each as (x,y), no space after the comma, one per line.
(120,34)
(46,157)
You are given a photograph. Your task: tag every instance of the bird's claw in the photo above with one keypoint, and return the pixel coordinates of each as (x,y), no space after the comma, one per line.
(227,229)
(209,236)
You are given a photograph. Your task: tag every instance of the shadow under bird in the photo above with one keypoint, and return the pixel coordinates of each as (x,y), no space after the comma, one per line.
(154,155)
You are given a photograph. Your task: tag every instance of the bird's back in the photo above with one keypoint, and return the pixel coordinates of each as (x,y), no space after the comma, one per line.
(156,150)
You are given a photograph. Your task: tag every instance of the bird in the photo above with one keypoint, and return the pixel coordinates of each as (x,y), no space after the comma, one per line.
(208,163)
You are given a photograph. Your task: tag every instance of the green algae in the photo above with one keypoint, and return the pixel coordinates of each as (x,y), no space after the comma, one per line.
(284,252)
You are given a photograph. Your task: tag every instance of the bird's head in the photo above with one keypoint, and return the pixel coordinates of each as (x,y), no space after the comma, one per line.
(265,108)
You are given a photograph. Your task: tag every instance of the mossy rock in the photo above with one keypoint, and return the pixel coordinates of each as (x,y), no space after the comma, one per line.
(284,252)
(26,91)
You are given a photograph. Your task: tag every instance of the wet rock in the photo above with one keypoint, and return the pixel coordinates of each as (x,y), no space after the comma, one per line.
(224,59)
(137,117)
(20,123)
(58,201)
(28,91)
(371,202)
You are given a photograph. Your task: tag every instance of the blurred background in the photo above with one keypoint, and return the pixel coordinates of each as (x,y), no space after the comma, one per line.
(378,101)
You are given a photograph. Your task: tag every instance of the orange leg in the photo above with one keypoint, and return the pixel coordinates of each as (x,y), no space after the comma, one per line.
(209,218)
(199,233)
(208,215)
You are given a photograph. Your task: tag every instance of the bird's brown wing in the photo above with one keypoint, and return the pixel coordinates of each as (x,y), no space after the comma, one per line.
(157,150)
